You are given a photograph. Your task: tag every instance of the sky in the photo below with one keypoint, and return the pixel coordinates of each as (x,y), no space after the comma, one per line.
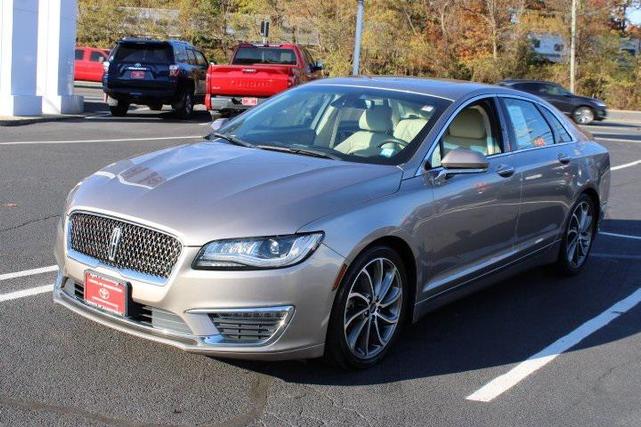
(634,15)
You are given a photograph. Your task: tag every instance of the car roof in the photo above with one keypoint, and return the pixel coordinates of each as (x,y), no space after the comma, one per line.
(442,88)
(140,40)
(512,81)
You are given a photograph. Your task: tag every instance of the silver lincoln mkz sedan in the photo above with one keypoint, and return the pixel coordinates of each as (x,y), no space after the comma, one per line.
(321,221)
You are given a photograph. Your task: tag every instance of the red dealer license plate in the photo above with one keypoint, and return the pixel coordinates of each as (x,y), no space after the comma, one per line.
(249,102)
(137,74)
(105,293)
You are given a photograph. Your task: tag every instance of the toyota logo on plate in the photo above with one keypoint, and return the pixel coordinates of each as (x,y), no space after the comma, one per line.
(104,293)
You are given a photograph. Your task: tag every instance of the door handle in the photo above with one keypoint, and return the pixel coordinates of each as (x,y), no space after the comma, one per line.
(564,159)
(505,171)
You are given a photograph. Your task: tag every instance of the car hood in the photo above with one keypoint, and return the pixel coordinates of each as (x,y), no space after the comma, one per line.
(212,190)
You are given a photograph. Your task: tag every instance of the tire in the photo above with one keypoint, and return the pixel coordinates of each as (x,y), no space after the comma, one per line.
(583,115)
(119,110)
(361,331)
(574,253)
(155,107)
(185,107)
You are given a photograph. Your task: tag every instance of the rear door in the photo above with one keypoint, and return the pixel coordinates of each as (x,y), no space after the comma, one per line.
(141,64)
(557,96)
(199,72)
(543,156)
(80,64)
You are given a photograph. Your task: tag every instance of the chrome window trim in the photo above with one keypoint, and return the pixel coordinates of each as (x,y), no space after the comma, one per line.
(421,170)
(126,273)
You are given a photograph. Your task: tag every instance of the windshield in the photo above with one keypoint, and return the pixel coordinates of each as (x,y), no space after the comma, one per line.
(264,55)
(349,123)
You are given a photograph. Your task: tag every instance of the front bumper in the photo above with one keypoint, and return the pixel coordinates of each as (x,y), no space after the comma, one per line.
(193,295)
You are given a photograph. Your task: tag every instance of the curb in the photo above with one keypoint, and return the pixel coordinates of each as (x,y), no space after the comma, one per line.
(20,121)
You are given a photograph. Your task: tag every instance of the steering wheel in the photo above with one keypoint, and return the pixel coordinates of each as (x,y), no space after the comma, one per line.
(393,140)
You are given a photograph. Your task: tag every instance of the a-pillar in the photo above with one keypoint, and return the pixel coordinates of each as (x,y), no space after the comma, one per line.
(56,54)
(18,47)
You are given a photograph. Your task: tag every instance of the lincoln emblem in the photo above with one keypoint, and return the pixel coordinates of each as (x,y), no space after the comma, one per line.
(113,243)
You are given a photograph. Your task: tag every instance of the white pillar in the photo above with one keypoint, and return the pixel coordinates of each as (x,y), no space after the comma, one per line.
(18,47)
(56,54)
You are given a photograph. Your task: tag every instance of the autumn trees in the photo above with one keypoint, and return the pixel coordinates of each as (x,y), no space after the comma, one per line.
(483,40)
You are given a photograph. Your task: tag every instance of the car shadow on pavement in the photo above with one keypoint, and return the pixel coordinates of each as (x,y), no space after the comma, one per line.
(501,325)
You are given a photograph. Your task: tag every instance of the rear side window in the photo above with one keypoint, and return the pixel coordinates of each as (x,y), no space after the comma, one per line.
(264,55)
(200,58)
(144,54)
(560,134)
(97,57)
(79,54)
(529,128)
(191,57)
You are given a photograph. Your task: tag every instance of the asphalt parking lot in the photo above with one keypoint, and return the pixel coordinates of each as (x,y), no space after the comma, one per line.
(57,368)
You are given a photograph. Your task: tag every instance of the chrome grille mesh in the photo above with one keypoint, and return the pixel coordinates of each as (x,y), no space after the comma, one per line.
(140,249)
(248,326)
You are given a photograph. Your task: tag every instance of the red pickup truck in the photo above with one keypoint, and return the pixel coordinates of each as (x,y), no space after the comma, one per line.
(257,72)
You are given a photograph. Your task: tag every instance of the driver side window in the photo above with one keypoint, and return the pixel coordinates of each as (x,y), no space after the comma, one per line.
(474,128)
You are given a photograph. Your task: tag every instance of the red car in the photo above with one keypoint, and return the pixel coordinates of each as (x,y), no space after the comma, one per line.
(88,63)
(257,72)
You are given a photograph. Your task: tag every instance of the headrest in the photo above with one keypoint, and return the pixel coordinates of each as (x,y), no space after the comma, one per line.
(377,119)
(468,124)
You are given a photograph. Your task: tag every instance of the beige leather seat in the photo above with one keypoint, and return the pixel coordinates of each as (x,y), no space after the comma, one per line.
(467,131)
(375,127)
(407,129)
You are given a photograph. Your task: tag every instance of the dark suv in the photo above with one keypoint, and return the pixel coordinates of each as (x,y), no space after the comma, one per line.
(581,108)
(153,73)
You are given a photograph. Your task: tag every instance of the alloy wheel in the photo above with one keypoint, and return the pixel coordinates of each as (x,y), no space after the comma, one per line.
(584,115)
(373,308)
(579,235)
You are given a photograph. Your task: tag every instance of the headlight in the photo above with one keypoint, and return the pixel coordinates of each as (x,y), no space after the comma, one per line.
(257,252)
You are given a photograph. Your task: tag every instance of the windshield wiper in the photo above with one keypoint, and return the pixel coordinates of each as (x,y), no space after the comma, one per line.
(234,140)
(297,150)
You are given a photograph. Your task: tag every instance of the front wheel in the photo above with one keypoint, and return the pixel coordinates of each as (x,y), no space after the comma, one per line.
(583,115)
(578,238)
(369,309)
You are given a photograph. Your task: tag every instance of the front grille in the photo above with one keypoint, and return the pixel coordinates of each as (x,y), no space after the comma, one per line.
(249,326)
(140,249)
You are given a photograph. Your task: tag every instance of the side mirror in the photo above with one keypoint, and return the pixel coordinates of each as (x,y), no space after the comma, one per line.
(461,161)
(218,123)
(318,66)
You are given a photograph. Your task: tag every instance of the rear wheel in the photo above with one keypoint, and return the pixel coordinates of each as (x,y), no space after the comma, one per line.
(369,309)
(185,106)
(583,115)
(578,238)
(119,109)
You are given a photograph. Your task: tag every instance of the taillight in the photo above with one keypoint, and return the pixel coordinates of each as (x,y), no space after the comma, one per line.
(174,71)
(105,66)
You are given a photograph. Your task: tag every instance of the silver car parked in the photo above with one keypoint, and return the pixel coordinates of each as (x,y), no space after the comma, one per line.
(321,221)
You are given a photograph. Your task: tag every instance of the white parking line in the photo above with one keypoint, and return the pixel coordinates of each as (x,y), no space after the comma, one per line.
(32,272)
(83,141)
(626,165)
(623,236)
(598,138)
(501,384)
(26,293)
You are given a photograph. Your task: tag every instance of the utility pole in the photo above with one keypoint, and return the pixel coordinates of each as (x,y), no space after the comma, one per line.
(573,48)
(357,38)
